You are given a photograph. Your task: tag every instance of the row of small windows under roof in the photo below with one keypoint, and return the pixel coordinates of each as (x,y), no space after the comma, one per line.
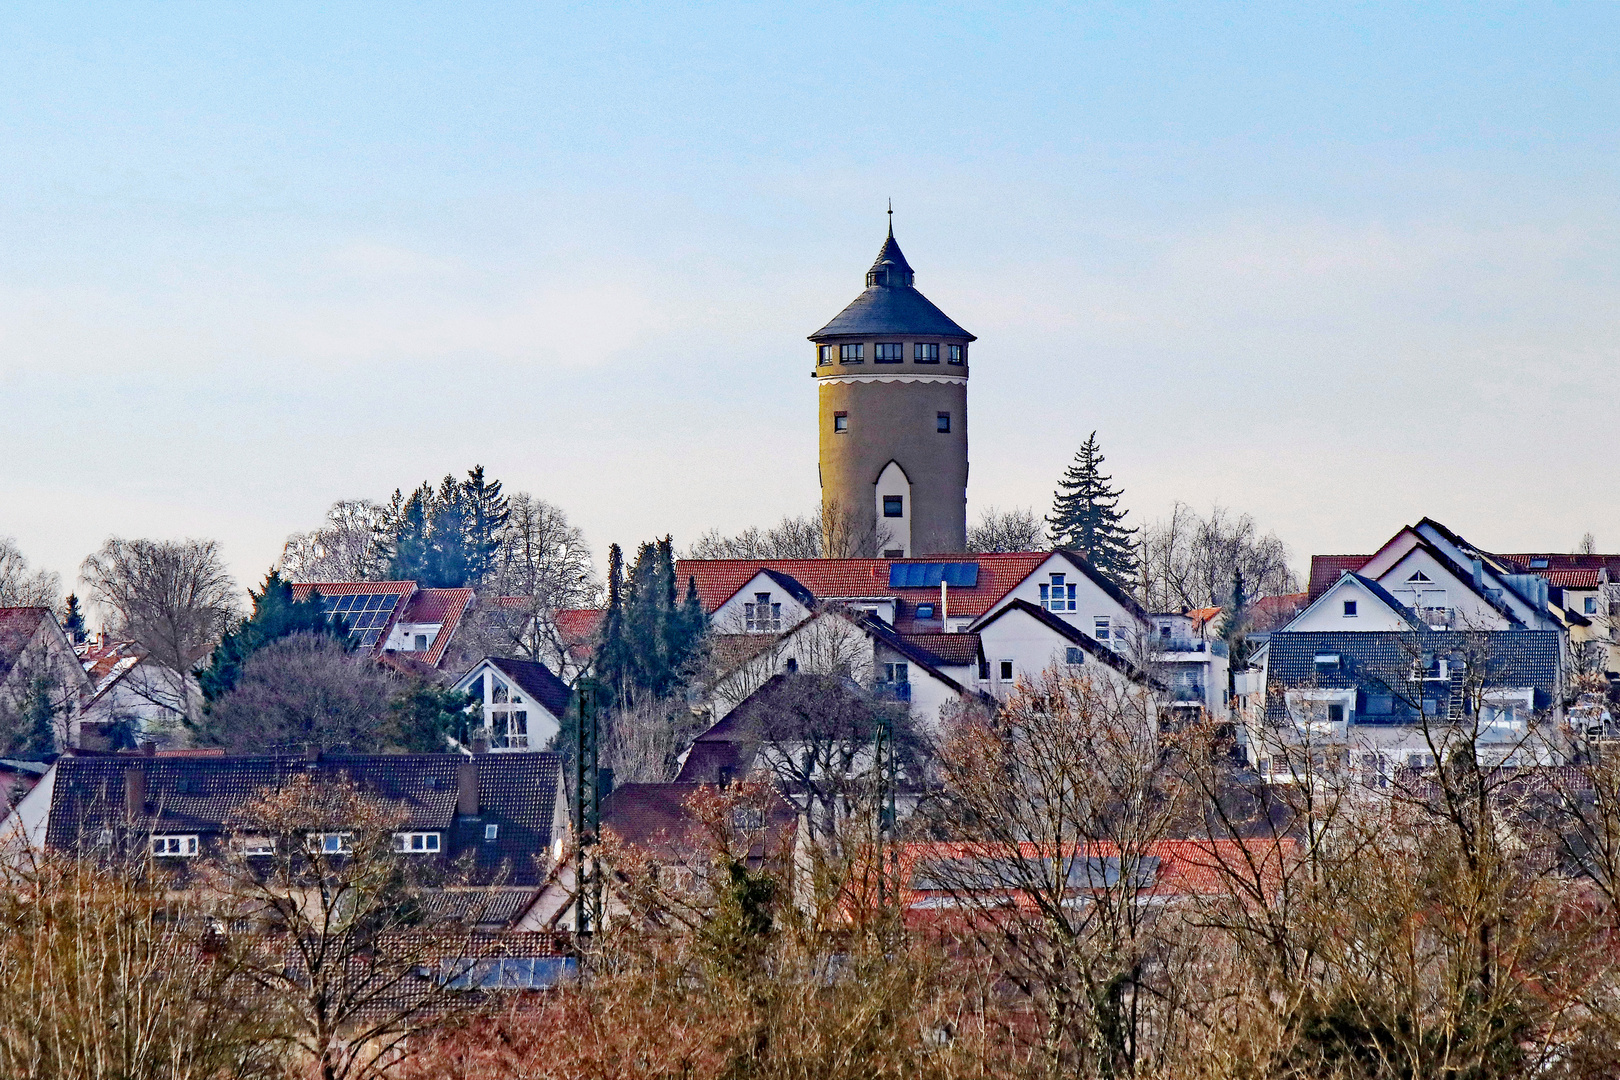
(365,614)
(889,352)
(911,575)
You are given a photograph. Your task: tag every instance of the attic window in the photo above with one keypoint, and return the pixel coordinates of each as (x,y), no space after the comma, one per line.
(1074,655)
(1059,595)
(1327,661)
(491,831)
(925,611)
(762,616)
(1420,578)
(1349,609)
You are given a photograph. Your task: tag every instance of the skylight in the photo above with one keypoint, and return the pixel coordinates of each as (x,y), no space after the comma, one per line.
(929,575)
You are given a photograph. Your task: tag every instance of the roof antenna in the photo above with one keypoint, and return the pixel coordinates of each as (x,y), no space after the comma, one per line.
(891,219)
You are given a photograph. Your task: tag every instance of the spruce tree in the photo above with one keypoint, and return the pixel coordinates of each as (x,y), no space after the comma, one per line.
(1086,517)
(73,620)
(1236,622)
(275,615)
(649,634)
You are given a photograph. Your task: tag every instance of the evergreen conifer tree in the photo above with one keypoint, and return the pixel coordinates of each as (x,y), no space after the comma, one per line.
(649,635)
(73,620)
(37,737)
(275,615)
(447,537)
(1235,623)
(1086,517)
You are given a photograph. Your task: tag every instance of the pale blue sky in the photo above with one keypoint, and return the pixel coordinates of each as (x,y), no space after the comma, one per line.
(1338,267)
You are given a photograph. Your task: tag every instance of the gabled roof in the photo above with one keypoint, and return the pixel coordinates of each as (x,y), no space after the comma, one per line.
(786,582)
(949,650)
(537,681)
(18,625)
(717,580)
(1325,571)
(442,606)
(1406,614)
(516,792)
(1069,633)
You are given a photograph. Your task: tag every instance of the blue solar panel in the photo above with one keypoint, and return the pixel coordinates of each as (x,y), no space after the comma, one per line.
(366,614)
(929,575)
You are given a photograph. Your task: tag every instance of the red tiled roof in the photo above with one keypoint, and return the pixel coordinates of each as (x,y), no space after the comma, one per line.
(1571,579)
(301,590)
(443,606)
(578,624)
(1271,612)
(718,579)
(1556,561)
(1326,569)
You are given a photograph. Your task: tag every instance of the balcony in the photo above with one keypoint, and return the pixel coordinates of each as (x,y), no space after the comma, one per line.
(893,691)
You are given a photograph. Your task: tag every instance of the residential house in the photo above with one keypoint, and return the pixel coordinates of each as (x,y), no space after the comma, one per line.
(36,658)
(505,815)
(134,698)
(395,621)
(1375,683)
(522,703)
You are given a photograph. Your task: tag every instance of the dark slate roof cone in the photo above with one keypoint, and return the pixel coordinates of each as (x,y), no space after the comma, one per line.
(891,303)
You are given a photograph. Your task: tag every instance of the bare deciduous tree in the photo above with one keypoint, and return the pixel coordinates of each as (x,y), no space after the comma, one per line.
(304,690)
(22,587)
(172,597)
(543,566)
(1189,561)
(348,546)
(1017,529)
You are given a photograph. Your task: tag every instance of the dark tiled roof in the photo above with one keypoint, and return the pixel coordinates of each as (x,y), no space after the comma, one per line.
(516,792)
(18,625)
(1380,662)
(891,309)
(538,681)
(655,818)
(951,650)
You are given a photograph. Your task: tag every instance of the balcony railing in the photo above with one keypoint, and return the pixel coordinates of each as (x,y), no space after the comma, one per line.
(893,691)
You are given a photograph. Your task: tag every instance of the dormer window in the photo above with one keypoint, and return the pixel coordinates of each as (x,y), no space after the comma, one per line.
(889,352)
(851,354)
(925,354)
(956,353)
(1058,595)
(762,616)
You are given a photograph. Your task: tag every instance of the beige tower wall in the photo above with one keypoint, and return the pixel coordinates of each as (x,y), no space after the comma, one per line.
(896,420)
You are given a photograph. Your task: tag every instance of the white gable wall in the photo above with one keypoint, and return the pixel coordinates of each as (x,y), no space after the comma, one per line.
(731,617)
(1328,611)
(1032,646)
(1443,590)
(542,725)
(1091,603)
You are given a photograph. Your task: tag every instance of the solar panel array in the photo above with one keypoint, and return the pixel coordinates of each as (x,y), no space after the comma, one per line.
(365,614)
(928,575)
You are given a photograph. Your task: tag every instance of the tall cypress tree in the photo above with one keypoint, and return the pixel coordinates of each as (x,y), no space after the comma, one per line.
(649,635)
(1086,517)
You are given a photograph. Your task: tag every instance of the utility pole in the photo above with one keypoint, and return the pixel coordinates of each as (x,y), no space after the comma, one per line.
(587,813)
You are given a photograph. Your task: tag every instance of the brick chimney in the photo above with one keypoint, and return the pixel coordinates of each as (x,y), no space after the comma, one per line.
(134,792)
(467,787)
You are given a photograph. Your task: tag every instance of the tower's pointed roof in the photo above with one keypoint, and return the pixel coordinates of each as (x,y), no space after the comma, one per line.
(891,304)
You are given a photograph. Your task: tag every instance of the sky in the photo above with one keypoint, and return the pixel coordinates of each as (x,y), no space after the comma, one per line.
(1337,266)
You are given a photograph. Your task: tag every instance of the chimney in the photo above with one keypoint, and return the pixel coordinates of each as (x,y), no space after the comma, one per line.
(944,605)
(480,742)
(134,792)
(467,788)
(148,748)
(312,752)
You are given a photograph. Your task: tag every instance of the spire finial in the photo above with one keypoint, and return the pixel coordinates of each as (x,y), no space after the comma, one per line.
(891,219)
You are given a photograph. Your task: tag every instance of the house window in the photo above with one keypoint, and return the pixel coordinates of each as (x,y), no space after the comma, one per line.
(509,729)
(416,843)
(1349,609)
(1591,605)
(840,423)
(925,354)
(762,616)
(421,643)
(174,846)
(1326,662)
(491,832)
(1006,671)
(894,506)
(1102,627)
(889,352)
(256,845)
(925,611)
(956,353)
(501,693)
(1059,595)
(331,843)
(1074,655)
(942,423)
(744,818)
(984,671)
(824,354)
(896,673)
(1335,712)
(850,354)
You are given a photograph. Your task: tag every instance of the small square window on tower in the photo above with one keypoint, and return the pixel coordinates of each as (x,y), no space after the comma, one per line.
(824,354)
(840,422)
(956,353)
(851,354)
(894,506)
(942,423)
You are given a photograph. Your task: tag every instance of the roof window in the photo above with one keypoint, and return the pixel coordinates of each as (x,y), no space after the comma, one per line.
(962,575)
